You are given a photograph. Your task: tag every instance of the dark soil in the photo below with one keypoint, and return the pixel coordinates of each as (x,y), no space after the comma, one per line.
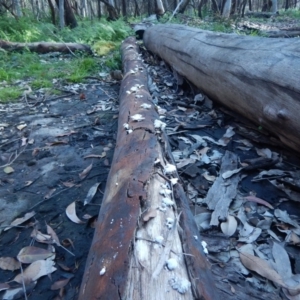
(60,133)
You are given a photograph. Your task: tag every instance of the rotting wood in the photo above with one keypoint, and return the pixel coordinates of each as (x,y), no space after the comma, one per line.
(137,231)
(223,191)
(257,77)
(45,47)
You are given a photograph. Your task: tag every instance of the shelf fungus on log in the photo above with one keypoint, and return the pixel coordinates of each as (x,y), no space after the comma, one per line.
(254,76)
(146,244)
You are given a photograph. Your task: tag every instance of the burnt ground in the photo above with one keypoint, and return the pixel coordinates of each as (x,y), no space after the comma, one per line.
(67,146)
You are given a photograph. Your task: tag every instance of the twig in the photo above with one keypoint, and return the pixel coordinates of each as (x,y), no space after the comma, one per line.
(23,283)
(175,11)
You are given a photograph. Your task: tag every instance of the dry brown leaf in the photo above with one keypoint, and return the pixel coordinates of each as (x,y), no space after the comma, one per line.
(60,283)
(19,221)
(229,227)
(36,270)
(24,140)
(53,235)
(49,194)
(9,263)
(35,152)
(68,184)
(102,155)
(84,173)
(67,242)
(209,177)
(259,201)
(8,170)
(86,216)
(21,126)
(4,286)
(30,254)
(41,237)
(67,133)
(261,267)
(71,213)
(91,193)
(28,183)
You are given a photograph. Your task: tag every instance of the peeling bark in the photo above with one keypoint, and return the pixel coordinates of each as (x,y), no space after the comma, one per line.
(127,248)
(45,47)
(256,77)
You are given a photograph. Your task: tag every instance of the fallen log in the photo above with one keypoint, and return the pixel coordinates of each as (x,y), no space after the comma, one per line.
(146,244)
(45,47)
(256,77)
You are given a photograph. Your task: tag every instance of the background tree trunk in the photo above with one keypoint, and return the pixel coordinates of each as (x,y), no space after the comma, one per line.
(70,19)
(61,14)
(226,9)
(257,77)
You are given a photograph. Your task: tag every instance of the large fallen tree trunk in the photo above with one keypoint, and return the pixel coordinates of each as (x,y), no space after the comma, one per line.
(146,244)
(257,77)
(45,47)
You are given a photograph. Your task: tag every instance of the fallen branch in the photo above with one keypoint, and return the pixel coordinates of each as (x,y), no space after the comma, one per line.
(45,47)
(122,263)
(256,77)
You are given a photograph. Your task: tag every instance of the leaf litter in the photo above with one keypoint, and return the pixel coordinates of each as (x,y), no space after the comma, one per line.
(53,173)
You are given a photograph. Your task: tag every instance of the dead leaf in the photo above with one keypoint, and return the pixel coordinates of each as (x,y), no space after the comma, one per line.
(230,173)
(85,172)
(209,177)
(9,263)
(293,239)
(19,221)
(49,194)
(53,235)
(68,184)
(21,126)
(60,283)
(264,152)
(8,170)
(4,286)
(67,133)
(91,193)
(30,254)
(35,152)
(71,213)
(282,261)
(67,242)
(86,216)
(261,267)
(36,270)
(102,155)
(28,183)
(40,237)
(229,227)
(259,200)
(24,140)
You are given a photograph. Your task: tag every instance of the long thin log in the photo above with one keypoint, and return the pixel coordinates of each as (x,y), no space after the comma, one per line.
(138,230)
(257,77)
(45,47)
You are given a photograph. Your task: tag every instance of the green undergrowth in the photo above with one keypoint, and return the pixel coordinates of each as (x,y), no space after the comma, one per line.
(46,71)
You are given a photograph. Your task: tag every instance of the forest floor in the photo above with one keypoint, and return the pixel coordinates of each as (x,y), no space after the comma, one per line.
(55,155)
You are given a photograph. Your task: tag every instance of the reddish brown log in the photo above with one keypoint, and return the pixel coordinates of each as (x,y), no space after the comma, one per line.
(45,47)
(125,261)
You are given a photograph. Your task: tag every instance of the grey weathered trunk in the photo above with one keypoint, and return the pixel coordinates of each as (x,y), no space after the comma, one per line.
(257,77)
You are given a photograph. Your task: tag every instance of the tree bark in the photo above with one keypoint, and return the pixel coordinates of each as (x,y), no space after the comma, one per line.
(257,77)
(45,47)
(132,243)
(70,19)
